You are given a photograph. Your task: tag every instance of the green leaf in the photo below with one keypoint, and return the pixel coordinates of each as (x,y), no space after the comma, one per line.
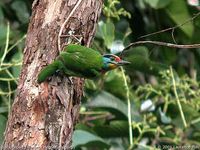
(87,139)
(107,32)
(3,121)
(81,126)
(115,79)
(3,109)
(113,104)
(106,100)
(1,15)
(144,65)
(90,85)
(114,129)
(164,118)
(21,11)
(178,12)
(169,58)
(3,30)
(189,112)
(17,57)
(139,51)
(158,3)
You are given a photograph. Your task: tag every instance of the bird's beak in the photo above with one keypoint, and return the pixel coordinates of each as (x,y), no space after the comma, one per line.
(123,62)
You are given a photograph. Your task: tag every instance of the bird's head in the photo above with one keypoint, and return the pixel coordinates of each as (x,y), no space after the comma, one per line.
(111,61)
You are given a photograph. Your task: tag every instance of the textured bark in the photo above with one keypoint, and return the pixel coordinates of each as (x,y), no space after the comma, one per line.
(43,115)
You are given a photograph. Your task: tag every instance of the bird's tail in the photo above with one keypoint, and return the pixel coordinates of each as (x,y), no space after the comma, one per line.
(48,71)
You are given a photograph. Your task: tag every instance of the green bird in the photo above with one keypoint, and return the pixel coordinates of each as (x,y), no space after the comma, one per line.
(80,61)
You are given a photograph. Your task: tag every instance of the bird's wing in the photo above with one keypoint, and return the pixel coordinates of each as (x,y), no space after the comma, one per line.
(82,61)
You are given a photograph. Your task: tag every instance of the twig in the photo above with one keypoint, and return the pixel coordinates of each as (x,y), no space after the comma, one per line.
(5,66)
(129,108)
(8,79)
(172,28)
(177,99)
(9,97)
(7,43)
(21,39)
(97,117)
(195,121)
(6,93)
(12,77)
(63,25)
(173,36)
(93,112)
(189,46)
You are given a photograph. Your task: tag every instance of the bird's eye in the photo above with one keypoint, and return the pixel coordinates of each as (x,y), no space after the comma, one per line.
(112,58)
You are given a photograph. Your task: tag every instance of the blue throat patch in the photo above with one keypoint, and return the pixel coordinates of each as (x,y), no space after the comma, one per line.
(106,62)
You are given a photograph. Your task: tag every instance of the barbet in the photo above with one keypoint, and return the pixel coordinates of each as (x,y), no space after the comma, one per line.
(80,61)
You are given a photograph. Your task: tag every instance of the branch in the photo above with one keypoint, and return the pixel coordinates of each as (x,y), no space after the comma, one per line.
(162,44)
(172,28)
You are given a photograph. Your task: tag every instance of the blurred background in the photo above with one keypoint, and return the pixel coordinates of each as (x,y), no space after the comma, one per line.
(161,83)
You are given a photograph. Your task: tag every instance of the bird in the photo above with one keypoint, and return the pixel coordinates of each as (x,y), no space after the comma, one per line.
(80,61)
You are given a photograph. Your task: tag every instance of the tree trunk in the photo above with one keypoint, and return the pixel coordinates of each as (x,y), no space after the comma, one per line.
(43,115)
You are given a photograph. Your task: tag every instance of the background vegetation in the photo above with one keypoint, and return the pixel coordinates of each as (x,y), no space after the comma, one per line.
(164,102)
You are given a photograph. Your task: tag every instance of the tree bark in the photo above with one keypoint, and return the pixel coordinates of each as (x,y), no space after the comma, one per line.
(43,115)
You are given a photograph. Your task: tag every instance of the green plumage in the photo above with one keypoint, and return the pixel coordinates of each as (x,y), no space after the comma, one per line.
(75,60)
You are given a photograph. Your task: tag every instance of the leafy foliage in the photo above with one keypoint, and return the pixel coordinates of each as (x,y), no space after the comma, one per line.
(11,45)
(156,92)
(81,137)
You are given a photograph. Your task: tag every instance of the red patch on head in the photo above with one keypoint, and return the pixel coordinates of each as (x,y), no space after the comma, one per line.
(117,59)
